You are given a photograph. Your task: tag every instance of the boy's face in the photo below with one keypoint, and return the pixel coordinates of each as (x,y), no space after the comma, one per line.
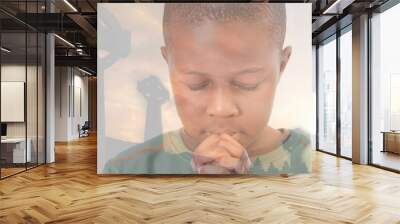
(224,77)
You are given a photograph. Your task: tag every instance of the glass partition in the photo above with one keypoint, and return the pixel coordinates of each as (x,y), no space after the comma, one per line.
(327,96)
(385,89)
(13,105)
(23,91)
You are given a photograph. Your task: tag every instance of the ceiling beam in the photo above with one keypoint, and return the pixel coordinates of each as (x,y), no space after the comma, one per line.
(84,24)
(82,61)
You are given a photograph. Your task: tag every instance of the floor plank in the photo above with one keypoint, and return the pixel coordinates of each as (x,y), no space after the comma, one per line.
(70,191)
(387,159)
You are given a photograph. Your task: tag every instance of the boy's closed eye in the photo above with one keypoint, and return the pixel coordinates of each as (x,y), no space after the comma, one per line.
(199,85)
(246,84)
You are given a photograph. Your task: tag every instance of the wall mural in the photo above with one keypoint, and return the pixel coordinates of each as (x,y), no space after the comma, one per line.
(205,88)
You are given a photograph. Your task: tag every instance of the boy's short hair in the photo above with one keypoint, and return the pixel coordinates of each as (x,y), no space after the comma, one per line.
(198,13)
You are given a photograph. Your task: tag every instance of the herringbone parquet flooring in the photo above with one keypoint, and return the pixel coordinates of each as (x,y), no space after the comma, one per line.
(70,191)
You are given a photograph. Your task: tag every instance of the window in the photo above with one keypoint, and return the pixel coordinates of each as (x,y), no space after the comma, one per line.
(327,96)
(346,93)
(385,88)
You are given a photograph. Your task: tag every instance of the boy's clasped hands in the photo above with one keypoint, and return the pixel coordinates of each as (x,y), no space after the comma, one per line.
(220,154)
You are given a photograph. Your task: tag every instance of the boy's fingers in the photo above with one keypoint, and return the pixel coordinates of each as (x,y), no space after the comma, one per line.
(234,149)
(235,165)
(231,149)
(238,159)
(220,151)
(204,149)
(208,156)
(208,151)
(231,139)
(207,143)
(229,162)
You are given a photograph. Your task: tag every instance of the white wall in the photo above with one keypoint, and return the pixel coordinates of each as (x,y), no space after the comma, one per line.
(17,73)
(61,103)
(13,73)
(69,82)
(80,83)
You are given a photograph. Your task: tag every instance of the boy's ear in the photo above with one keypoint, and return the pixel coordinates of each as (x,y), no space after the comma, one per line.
(164,53)
(285,58)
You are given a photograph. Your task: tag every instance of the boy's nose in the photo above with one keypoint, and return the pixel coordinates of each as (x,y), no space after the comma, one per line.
(222,104)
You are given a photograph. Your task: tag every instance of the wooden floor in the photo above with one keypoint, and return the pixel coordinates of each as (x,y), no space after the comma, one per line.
(70,191)
(387,159)
(5,172)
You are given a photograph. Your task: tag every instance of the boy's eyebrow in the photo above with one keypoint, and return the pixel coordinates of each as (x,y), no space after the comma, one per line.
(190,72)
(250,70)
(244,71)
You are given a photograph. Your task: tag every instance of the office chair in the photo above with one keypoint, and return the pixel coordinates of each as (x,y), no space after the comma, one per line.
(84,130)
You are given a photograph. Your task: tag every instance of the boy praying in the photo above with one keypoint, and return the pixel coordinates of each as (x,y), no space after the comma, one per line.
(225,61)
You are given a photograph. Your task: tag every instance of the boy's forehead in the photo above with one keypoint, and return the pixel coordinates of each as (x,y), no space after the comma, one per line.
(235,39)
(191,16)
(220,54)
(240,34)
